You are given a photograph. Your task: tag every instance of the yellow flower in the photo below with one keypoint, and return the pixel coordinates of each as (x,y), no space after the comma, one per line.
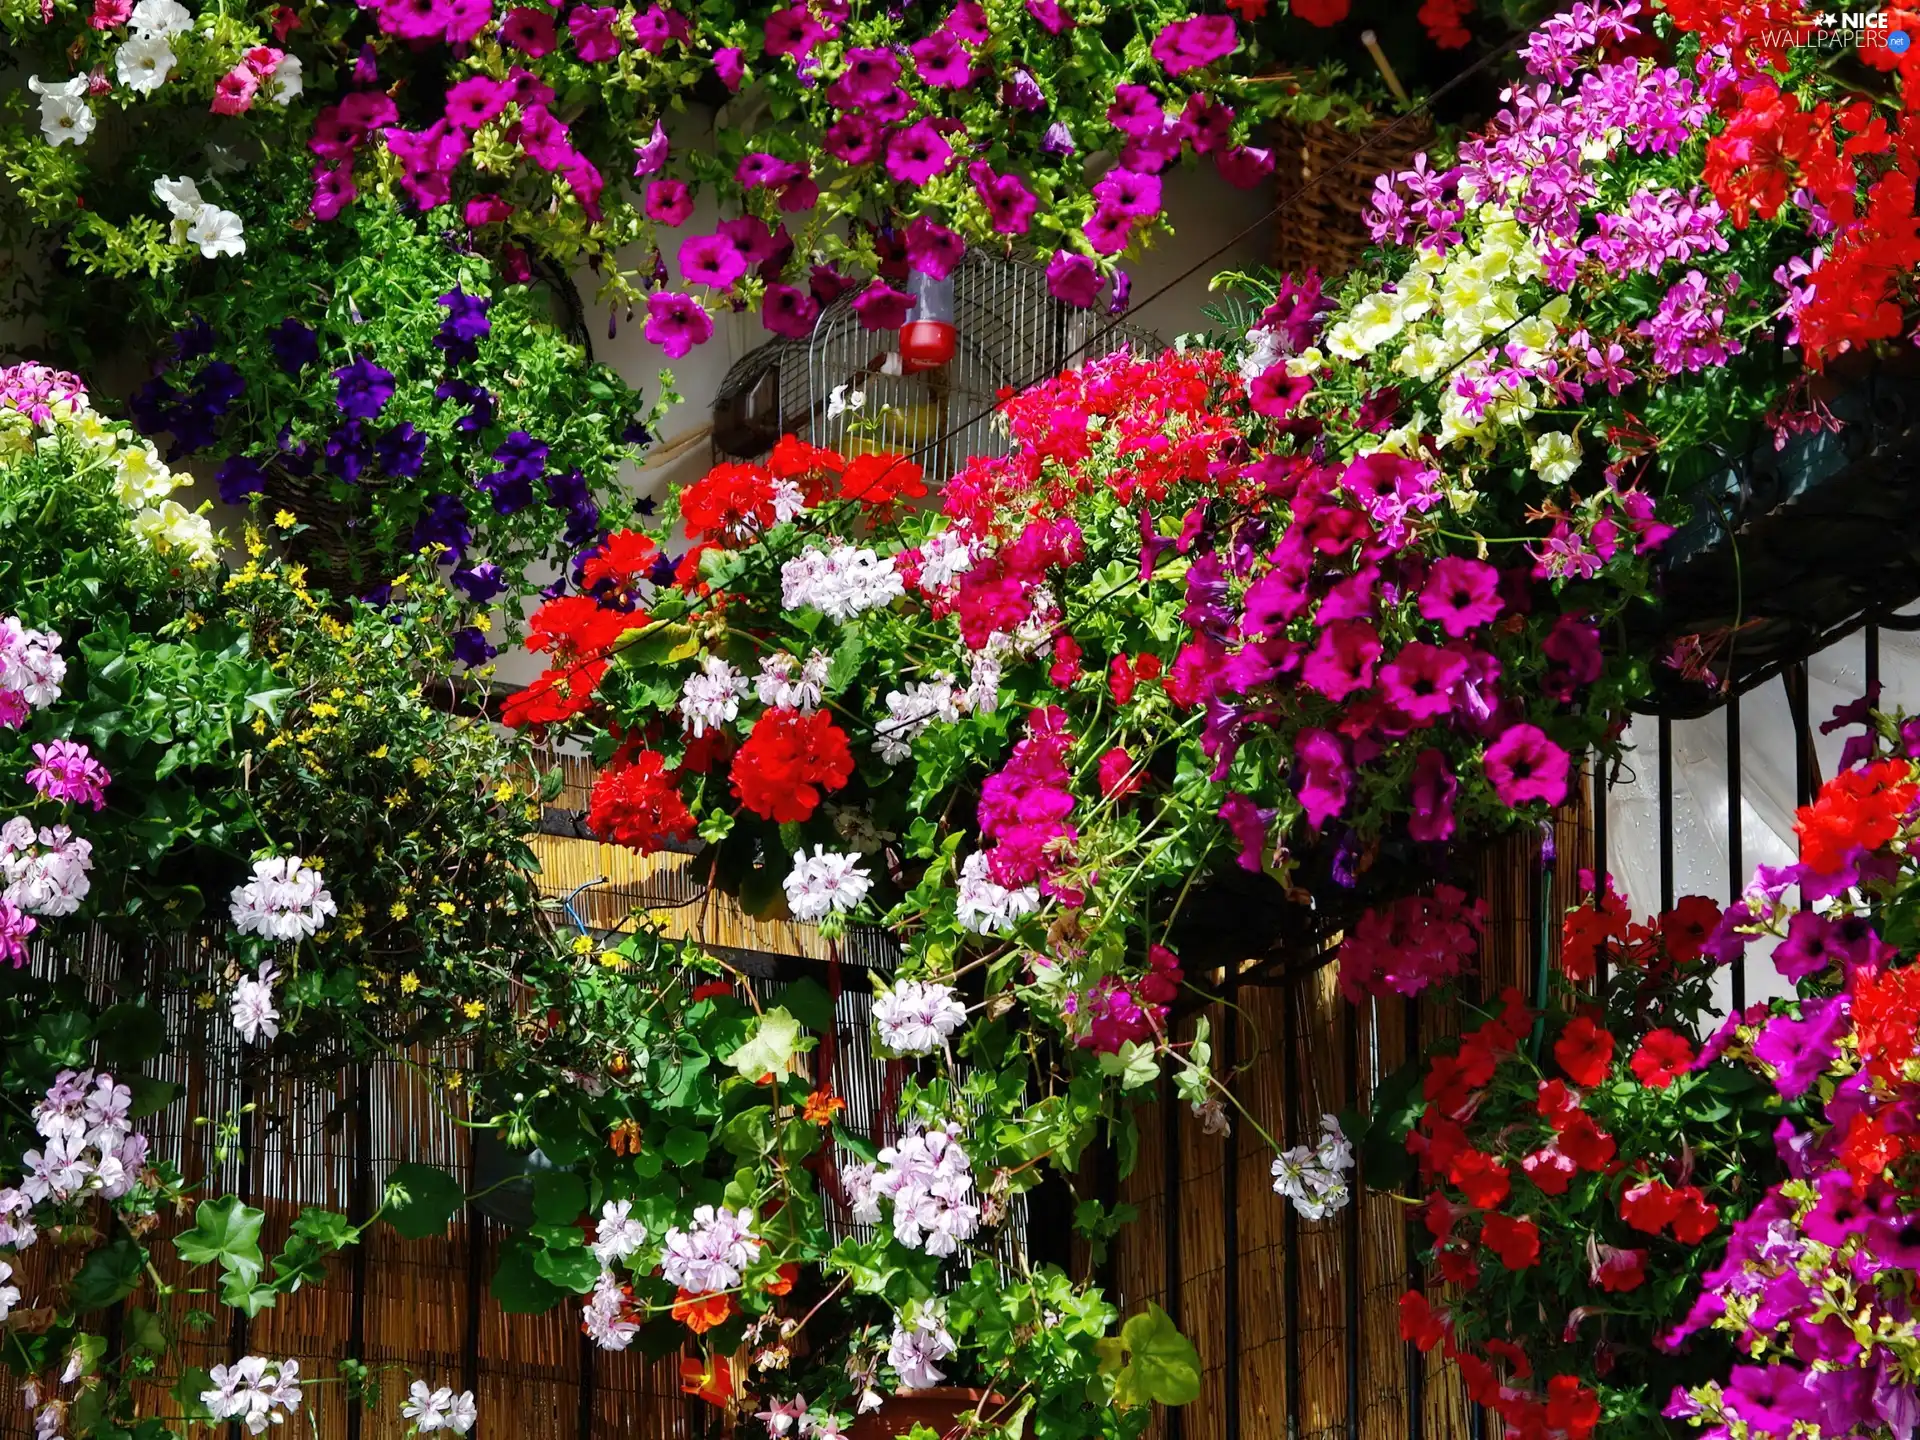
(325,711)
(260,723)
(583,944)
(284,519)
(445,907)
(204,1000)
(422,765)
(505,793)
(336,693)
(397,799)
(474,1009)
(398,910)
(613,960)
(409,983)
(453,1080)
(379,754)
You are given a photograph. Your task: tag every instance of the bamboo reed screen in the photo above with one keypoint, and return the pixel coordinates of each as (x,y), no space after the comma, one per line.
(1297,1323)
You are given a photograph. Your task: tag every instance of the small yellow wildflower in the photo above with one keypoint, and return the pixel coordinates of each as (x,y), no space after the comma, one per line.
(445,907)
(398,910)
(409,983)
(284,519)
(583,944)
(260,723)
(613,960)
(474,1009)
(505,793)
(325,711)
(379,754)
(204,1000)
(453,1080)
(422,765)
(397,799)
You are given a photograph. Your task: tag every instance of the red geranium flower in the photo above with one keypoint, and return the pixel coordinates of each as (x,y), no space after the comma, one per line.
(789,762)
(1685,928)
(1514,1238)
(638,805)
(623,560)
(879,480)
(1572,1409)
(1663,1057)
(1694,1219)
(1584,1051)
(1856,809)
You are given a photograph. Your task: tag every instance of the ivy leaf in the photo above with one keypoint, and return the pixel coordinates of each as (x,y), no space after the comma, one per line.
(1162,1365)
(521,1289)
(226,1231)
(145,1331)
(130,1034)
(150,1096)
(771,1050)
(108,1275)
(421,1199)
(1134,1064)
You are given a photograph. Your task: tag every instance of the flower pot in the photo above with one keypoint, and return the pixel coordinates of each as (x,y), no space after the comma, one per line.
(941,1409)
(1789,548)
(503,1180)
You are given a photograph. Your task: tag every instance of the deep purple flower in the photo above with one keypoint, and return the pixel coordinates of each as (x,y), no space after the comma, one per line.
(918,153)
(479,401)
(444,524)
(1073,279)
(470,647)
(1805,951)
(1184,45)
(294,346)
(1058,141)
(238,477)
(401,451)
(1432,795)
(1524,766)
(933,249)
(1122,293)
(466,324)
(349,450)
(1022,92)
(676,323)
(480,582)
(363,389)
(711,260)
(881,307)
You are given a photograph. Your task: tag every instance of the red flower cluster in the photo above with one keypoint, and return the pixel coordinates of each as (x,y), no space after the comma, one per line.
(1856,810)
(789,763)
(879,480)
(1566,1410)
(1604,926)
(1886,1010)
(1415,942)
(1663,1057)
(638,805)
(1651,1206)
(578,632)
(1445,22)
(733,503)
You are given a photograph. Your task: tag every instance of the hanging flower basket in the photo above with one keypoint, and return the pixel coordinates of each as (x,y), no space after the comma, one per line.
(1789,547)
(1324,173)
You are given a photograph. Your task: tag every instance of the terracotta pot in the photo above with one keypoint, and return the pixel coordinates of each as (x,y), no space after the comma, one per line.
(940,1408)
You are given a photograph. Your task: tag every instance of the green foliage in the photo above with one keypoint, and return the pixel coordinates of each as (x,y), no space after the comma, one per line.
(421,1199)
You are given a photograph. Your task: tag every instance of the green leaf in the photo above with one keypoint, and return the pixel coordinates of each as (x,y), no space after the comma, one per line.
(226,1231)
(574,1270)
(1134,1064)
(145,1331)
(683,1146)
(150,1096)
(421,1199)
(806,999)
(771,1050)
(108,1275)
(130,1035)
(1162,1365)
(193,1382)
(520,1289)
(559,1196)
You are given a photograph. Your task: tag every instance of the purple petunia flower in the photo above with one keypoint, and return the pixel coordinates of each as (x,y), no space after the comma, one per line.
(444,525)
(1799,1051)
(1419,681)
(1461,594)
(942,61)
(1074,279)
(363,389)
(294,346)
(238,477)
(402,451)
(480,582)
(529,31)
(668,202)
(466,324)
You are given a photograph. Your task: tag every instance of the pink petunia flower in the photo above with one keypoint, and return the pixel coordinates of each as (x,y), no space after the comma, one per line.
(933,249)
(1525,767)
(881,307)
(1461,595)
(1008,201)
(918,153)
(1073,279)
(676,323)
(789,311)
(668,202)
(1342,660)
(1432,795)
(1184,45)
(711,260)
(1323,776)
(529,31)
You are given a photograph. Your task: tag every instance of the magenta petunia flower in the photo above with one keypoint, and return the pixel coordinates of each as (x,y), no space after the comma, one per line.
(475,101)
(868,76)
(414,19)
(676,323)
(918,153)
(1184,45)
(668,202)
(529,31)
(1419,680)
(653,27)
(789,311)
(1245,167)
(942,61)
(1461,595)
(1248,824)
(1136,111)
(650,157)
(1572,649)
(757,168)
(1800,1051)
(1524,766)
(1108,230)
(333,190)
(1342,660)
(711,260)
(592,29)
(1208,123)
(1129,192)
(968,20)
(1073,279)
(1275,393)
(1050,16)
(756,239)
(881,307)
(1008,201)
(233,94)
(852,140)
(1432,795)
(792,31)
(933,249)
(65,771)
(1323,776)
(730,66)
(486,210)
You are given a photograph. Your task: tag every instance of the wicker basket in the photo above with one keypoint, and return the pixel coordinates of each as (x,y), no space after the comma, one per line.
(1325,174)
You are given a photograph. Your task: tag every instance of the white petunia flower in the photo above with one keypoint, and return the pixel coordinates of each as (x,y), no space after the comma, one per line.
(162,18)
(216,231)
(65,116)
(170,527)
(181,197)
(825,883)
(144,63)
(287,80)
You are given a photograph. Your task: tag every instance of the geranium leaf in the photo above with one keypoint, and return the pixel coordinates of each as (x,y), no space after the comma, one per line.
(1162,1365)
(421,1199)
(225,1231)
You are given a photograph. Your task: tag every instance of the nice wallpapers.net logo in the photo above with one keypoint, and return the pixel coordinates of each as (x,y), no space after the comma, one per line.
(1834,31)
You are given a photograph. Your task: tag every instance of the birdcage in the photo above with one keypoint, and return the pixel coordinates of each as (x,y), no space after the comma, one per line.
(845,386)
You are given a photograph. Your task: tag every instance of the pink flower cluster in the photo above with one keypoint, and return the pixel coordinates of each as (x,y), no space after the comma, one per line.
(64,771)
(1116,1011)
(1024,807)
(1417,941)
